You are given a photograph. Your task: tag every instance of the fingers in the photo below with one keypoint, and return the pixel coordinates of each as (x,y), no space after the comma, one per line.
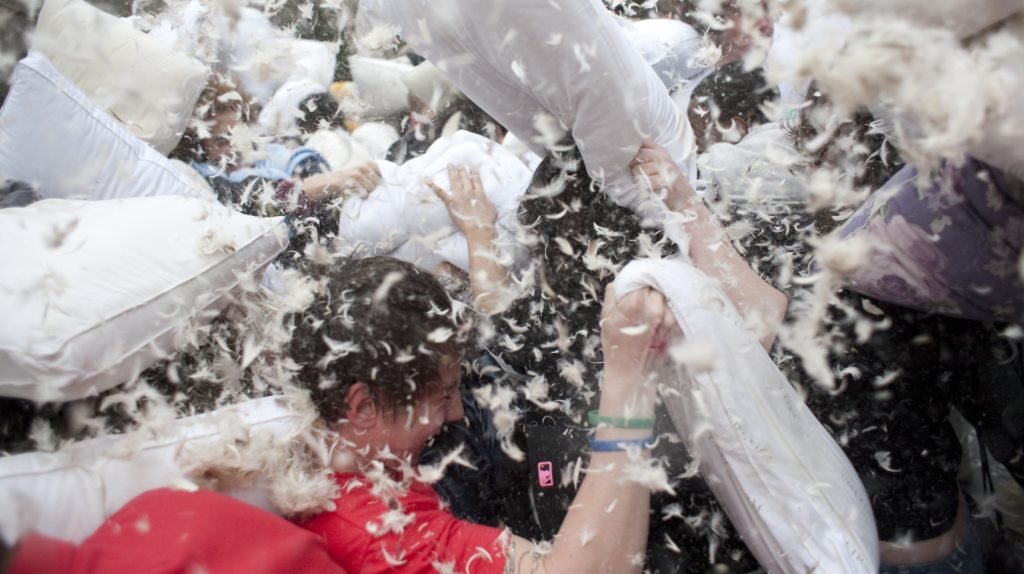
(653,167)
(372,171)
(454,179)
(653,154)
(642,306)
(363,180)
(609,302)
(478,185)
(365,176)
(464,180)
(443,195)
(460,179)
(469,208)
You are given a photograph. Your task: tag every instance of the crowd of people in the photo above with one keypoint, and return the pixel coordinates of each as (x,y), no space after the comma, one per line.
(515,290)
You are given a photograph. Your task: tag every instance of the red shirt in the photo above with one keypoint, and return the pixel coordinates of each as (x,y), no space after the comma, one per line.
(169,532)
(417,534)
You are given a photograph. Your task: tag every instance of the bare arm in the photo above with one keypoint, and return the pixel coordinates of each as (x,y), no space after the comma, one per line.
(605,529)
(710,248)
(474,215)
(356,180)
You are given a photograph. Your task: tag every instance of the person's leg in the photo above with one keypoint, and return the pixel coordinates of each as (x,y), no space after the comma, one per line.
(964,558)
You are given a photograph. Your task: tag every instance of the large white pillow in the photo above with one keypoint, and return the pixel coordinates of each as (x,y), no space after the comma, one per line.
(787,487)
(53,136)
(147,84)
(67,494)
(93,292)
(379,84)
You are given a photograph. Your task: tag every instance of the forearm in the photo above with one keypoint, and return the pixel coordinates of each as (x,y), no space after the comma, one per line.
(487,277)
(605,529)
(713,253)
(316,186)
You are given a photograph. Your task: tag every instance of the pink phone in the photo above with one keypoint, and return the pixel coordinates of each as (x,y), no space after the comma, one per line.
(545,476)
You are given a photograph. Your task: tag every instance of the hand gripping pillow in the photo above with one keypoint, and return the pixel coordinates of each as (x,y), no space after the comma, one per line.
(147,84)
(53,136)
(92,292)
(785,484)
(67,494)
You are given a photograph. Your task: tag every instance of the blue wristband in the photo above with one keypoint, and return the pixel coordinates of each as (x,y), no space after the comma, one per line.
(619,445)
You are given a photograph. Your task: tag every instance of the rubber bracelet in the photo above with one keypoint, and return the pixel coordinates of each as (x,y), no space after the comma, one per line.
(596,418)
(618,445)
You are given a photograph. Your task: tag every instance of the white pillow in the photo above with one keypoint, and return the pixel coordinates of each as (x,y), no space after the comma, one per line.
(54,137)
(785,484)
(404,218)
(376,138)
(338,147)
(93,292)
(141,81)
(379,84)
(69,493)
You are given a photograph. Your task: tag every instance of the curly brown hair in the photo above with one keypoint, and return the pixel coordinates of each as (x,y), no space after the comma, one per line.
(379,321)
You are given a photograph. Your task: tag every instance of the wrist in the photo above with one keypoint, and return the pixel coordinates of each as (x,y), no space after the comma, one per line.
(481,233)
(634,403)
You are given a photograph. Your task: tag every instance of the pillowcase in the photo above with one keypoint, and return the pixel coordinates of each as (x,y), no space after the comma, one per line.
(146,84)
(93,292)
(54,137)
(379,84)
(67,494)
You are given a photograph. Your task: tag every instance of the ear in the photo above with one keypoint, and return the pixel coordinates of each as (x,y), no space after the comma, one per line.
(361,410)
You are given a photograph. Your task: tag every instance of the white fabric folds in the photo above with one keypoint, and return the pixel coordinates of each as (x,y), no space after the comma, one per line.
(69,493)
(405,218)
(541,68)
(147,84)
(94,292)
(785,484)
(53,136)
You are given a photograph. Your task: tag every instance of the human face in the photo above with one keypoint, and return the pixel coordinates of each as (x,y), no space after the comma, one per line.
(745,32)
(409,430)
(218,146)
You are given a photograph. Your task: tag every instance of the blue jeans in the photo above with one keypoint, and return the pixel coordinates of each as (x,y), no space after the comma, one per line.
(966,559)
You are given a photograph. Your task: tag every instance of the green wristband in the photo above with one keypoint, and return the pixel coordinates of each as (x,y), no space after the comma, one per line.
(596,418)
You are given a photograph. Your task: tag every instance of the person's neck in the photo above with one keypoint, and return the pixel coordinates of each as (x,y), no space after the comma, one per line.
(350,457)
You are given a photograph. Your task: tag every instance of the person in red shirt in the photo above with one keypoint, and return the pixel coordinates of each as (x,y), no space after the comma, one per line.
(380,352)
(167,531)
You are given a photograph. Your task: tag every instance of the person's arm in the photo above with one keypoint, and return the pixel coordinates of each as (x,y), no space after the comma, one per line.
(605,529)
(710,248)
(964,17)
(358,180)
(474,215)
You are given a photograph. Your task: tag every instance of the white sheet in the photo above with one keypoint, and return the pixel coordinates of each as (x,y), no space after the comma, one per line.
(785,484)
